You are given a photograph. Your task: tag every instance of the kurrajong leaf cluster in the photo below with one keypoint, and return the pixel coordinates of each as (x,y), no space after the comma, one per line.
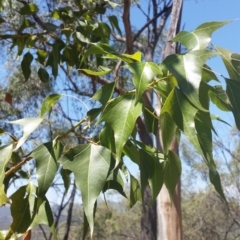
(72,36)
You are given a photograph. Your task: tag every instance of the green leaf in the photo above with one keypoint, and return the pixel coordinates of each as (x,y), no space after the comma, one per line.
(183,114)
(203,125)
(135,191)
(132,152)
(231,61)
(208,74)
(188,71)
(143,75)
(220,98)
(114,22)
(54,56)
(121,115)
(104,94)
(93,113)
(91,165)
(25,65)
(216,117)
(48,103)
(82,38)
(29,9)
(46,156)
(106,138)
(26,24)
(115,181)
(42,55)
(21,210)
(28,126)
(200,37)
(43,75)
(233,88)
(5,153)
(104,71)
(172,172)
(65,174)
(151,172)
(150,119)
(168,129)
(216,181)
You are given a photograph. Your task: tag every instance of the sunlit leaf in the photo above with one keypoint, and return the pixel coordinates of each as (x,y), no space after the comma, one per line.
(48,103)
(188,71)
(90,165)
(28,9)
(143,74)
(220,98)
(121,115)
(104,94)
(231,61)
(28,126)
(5,153)
(104,71)
(200,37)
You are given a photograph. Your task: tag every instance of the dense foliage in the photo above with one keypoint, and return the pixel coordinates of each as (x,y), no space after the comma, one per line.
(75,38)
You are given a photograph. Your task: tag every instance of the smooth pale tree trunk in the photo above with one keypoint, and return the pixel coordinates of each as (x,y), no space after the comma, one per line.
(169,219)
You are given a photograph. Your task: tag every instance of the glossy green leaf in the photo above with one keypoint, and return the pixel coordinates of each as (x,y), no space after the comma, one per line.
(151,173)
(5,153)
(188,71)
(114,22)
(103,71)
(121,115)
(28,126)
(104,94)
(216,181)
(135,191)
(143,74)
(231,61)
(46,156)
(91,165)
(220,98)
(172,172)
(233,88)
(200,37)
(28,9)
(25,65)
(48,103)
(26,24)
(168,129)
(82,38)
(43,75)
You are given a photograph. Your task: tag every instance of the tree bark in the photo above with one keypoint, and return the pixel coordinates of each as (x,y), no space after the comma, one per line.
(169,219)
